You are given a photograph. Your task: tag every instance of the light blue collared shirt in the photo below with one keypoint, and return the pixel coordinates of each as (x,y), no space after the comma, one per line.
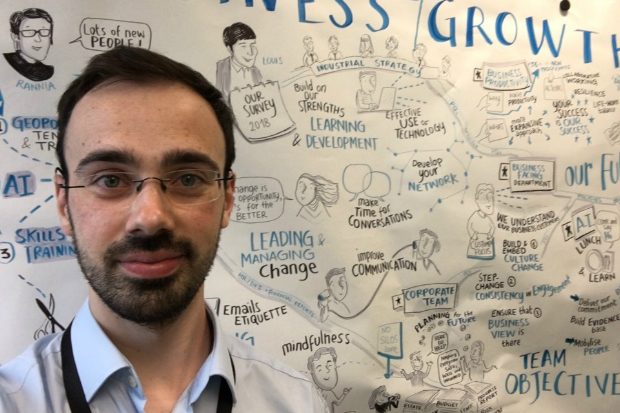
(32,382)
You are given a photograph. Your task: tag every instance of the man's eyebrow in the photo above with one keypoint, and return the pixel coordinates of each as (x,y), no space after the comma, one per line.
(107,155)
(180,156)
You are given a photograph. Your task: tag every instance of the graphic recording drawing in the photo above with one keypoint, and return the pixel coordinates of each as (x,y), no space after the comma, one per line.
(391,45)
(364,96)
(32,34)
(417,375)
(427,245)
(360,179)
(238,70)
(480,226)
(315,194)
(324,371)
(310,55)
(334,46)
(382,401)
(476,368)
(330,300)
(366,48)
(49,327)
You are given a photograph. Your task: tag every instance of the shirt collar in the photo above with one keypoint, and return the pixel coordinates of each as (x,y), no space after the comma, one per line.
(97,358)
(238,67)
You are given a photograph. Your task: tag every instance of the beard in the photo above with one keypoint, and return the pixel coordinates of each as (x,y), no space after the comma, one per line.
(148,302)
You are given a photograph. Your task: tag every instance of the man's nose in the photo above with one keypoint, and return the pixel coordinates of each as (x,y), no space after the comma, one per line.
(150,209)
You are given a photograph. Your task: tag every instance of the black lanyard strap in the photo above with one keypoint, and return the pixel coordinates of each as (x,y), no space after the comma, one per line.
(75,391)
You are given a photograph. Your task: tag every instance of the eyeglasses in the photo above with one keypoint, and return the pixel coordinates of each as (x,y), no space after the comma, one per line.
(182,187)
(33,32)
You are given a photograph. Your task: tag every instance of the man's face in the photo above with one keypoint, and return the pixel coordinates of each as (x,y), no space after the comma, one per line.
(338,286)
(34,48)
(309,45)
(485,203)
(145,256)
(333,44)
(324,372)
(245,52)
(416,363)
(427,245)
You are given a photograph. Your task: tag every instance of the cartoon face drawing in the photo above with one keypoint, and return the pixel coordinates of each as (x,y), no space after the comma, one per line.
(34,39)
(427,245)
(416,362)
(305,192)
(333,43)
(485,203)
(244,52)
(324,372)
(338,286)
(368,82)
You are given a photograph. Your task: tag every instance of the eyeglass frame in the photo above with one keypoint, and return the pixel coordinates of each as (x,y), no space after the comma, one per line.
(36,31)
(140,182)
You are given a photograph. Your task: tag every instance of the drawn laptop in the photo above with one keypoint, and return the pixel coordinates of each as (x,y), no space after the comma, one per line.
(387,98)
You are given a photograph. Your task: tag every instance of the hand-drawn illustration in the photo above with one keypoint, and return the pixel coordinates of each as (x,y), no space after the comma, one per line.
(419,55)
(382,401)
(331,299)
(476,368)
(427,245)
(391,45)
(364,95)
(480,226)
(324,371)
(310,55)
(334,48)
(238,70)
(417,375)
(358,179)
(32,33)
(51,323)
(366,48)
(315,194)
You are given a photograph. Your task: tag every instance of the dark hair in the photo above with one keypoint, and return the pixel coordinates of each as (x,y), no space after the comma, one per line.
(237,31)
(16,20)
(142,66)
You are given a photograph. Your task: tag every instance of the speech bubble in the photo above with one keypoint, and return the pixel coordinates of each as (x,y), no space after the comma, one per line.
(258,199)
(354,178)
(379,185)
(450,369)
(105,34)
(439,342)
(608,225)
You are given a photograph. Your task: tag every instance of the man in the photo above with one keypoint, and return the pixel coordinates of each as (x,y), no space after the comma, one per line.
(238,70)
(417,376)
(330,300)
(427,245)
(310,56)
(322,366)
(31,32)
(144,187)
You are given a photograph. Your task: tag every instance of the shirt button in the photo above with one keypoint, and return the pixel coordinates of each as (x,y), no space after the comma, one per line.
(132,381)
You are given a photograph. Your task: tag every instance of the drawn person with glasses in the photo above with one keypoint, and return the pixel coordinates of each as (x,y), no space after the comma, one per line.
(144,189)
(31,31)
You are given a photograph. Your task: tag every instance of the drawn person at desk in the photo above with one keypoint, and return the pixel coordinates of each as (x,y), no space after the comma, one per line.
(322,367)
(366,47)
(364,96)
(238,70)
(381,401)
(331,298)
(417,376)
(480,226)
(334,45)
(315,194)
(32,35)
(477,367)
(310,56)
(428,244)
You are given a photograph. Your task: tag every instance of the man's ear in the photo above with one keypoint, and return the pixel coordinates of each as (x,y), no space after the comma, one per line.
(15,38)
(62,206)
(229,200)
